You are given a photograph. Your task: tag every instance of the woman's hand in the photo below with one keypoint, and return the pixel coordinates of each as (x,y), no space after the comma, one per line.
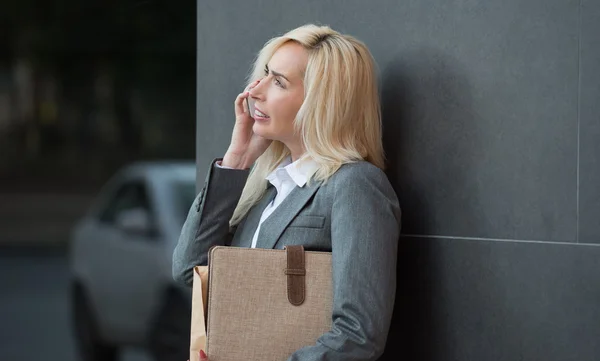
(201,356)
(245,146)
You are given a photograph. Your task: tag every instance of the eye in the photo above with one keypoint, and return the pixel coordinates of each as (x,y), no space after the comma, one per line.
(278,83)
(266,70)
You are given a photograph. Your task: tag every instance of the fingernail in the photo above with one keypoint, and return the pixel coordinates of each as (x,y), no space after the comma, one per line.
(202,354)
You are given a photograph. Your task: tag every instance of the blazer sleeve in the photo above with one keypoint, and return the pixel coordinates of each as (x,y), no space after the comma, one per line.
(365,227)
(207,222)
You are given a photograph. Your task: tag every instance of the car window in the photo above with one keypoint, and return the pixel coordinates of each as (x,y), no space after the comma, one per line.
(129,196)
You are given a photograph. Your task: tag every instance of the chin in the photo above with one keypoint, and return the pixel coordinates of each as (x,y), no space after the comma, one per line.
(263,131)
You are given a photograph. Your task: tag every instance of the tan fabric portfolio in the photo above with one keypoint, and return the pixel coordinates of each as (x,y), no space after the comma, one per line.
(263,304)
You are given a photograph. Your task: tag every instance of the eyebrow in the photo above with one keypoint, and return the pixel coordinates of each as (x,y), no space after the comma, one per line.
(277,73)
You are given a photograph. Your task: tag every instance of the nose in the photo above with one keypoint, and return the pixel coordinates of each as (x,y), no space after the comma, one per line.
(257,92)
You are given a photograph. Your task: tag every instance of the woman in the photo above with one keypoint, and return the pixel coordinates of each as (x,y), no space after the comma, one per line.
(315,142)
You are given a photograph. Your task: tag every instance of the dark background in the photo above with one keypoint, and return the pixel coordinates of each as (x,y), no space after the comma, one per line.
(492,129)
(85,88)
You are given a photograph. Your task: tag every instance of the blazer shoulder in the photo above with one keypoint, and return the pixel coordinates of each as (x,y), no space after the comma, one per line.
(361,170)
(365,182)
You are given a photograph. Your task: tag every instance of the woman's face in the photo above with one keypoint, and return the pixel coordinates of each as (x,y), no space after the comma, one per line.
(280,94)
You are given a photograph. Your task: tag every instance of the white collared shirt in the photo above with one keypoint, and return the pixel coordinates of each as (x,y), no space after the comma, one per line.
(285,178)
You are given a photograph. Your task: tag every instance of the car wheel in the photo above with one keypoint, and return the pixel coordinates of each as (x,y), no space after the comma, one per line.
(169,338)
(88,342)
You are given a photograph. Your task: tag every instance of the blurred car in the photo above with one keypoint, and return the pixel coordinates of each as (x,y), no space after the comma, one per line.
(123,293)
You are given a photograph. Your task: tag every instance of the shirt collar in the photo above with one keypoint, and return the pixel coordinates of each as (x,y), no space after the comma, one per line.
(299,171)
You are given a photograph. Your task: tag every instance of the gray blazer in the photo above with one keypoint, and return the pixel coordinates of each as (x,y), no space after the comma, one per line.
(355,215)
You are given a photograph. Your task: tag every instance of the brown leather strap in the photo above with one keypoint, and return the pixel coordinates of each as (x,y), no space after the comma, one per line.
(296,273)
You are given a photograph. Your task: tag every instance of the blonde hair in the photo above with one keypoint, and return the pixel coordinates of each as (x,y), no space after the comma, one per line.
(340,119)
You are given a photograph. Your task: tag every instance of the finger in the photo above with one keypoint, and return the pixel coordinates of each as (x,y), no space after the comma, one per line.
(202,356)
(252,85)
(239,103)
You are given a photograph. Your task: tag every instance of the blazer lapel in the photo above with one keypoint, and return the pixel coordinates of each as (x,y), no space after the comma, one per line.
(275,224)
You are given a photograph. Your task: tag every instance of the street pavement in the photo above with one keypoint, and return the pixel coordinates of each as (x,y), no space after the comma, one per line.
(34,308)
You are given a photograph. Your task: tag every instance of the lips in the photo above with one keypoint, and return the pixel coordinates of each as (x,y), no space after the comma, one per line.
(258,113)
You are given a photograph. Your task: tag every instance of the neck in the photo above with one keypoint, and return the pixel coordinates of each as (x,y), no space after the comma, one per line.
(296,151)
